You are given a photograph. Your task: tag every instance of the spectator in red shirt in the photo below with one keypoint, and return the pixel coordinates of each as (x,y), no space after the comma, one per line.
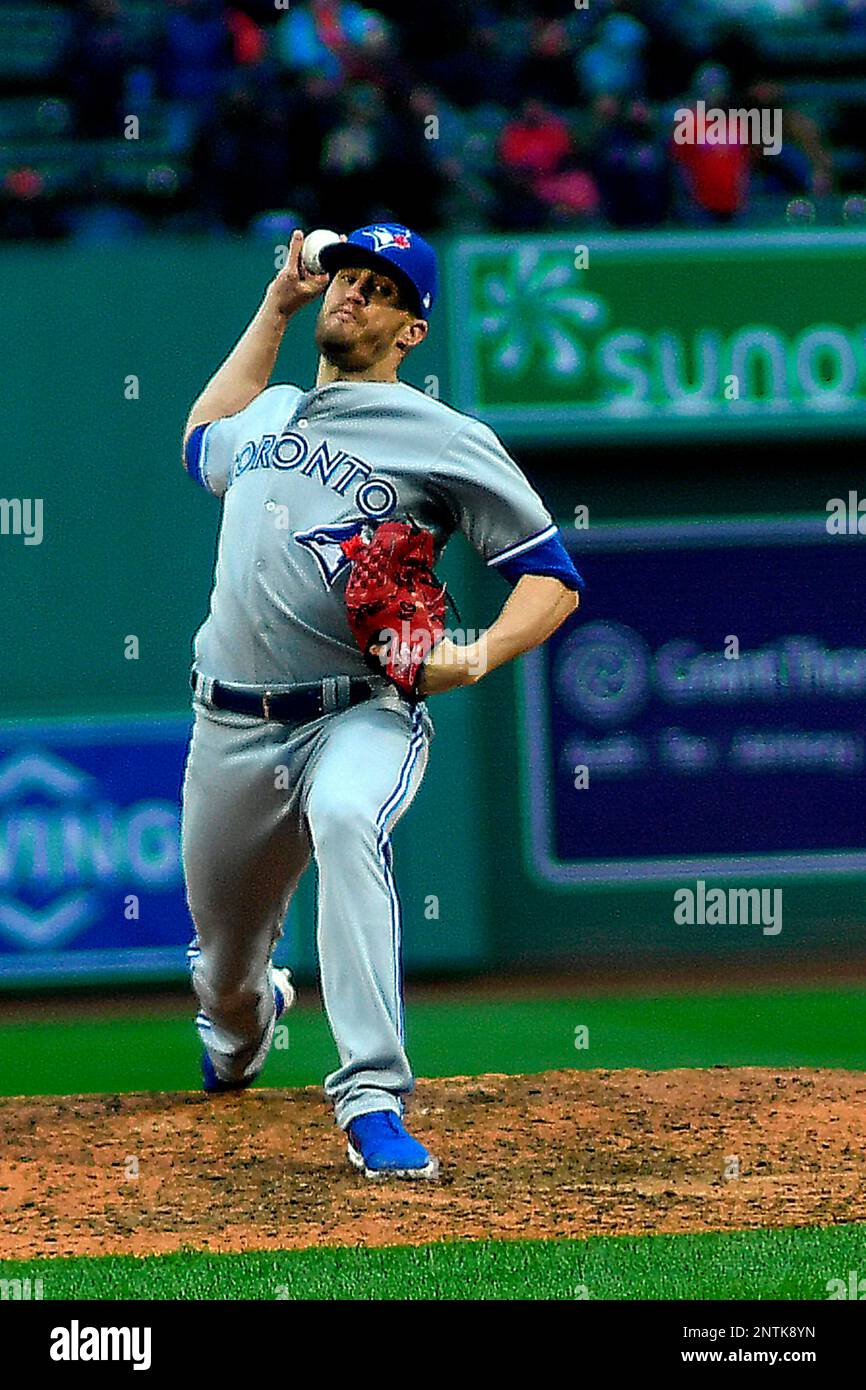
(537,143)
(543,182)
(715,176)
(249,44)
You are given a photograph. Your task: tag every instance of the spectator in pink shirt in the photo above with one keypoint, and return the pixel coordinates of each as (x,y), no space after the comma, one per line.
(537,142)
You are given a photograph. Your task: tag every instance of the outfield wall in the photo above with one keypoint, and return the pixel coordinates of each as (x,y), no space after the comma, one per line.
(110,349)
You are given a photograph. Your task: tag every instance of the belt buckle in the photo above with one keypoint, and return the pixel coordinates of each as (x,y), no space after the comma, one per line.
(266,703)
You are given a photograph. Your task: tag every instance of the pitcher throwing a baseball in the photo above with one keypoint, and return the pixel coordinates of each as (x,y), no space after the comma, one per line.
(324,640)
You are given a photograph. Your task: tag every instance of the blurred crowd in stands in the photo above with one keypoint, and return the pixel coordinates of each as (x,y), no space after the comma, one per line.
(458,115)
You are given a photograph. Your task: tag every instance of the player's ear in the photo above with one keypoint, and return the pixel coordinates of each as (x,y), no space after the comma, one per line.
(414,333)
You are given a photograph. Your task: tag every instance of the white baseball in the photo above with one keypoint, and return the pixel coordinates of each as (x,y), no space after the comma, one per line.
(314,243)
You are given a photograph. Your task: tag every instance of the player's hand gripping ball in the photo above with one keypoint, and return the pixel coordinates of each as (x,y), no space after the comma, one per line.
(395,603)
(299,282)
(314,243)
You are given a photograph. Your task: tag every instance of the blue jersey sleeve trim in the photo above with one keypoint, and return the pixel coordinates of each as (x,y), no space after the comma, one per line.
(520,546)
(193,455)
(547,557)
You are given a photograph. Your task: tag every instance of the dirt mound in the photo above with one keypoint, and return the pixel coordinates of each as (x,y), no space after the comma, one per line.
(559,1154)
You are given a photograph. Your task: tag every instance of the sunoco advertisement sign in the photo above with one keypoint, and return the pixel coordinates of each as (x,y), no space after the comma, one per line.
(587,337)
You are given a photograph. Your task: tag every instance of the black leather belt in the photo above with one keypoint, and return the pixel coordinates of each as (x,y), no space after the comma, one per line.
(297,706)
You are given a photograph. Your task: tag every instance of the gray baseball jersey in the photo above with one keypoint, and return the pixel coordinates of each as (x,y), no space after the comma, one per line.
(301,471)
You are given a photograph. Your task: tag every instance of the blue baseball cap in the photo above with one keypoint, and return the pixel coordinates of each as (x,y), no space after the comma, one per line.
(396,251)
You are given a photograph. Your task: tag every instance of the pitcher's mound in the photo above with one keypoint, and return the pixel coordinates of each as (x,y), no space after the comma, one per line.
(570,1153)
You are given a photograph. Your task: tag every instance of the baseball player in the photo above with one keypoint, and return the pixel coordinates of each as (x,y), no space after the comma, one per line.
(303,743)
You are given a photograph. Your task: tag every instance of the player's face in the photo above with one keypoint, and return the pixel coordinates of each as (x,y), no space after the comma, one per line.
(362,318)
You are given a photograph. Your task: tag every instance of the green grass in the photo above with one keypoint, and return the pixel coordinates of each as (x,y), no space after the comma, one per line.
(779,1264)
(814,1027)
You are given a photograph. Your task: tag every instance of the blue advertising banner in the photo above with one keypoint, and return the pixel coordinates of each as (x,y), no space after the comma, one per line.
(705,713)
(90,874)
(91,884)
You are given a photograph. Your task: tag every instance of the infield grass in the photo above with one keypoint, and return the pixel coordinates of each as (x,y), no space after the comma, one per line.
(791,1263)
(466,1037)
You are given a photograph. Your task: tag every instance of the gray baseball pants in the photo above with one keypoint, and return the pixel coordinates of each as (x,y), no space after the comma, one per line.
(261,797)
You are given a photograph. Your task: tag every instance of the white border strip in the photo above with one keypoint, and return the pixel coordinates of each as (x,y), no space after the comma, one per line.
(529,544)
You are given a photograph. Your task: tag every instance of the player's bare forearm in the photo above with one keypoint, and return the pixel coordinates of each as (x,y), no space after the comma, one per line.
(247,370)
(537,606)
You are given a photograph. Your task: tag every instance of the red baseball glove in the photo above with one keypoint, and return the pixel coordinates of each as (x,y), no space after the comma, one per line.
(394,601)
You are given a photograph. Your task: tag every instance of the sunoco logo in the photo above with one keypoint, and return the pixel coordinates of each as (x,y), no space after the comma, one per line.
(539,336)
(63,846)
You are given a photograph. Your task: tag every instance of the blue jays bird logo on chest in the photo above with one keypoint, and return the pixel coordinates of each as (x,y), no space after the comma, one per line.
(323,543)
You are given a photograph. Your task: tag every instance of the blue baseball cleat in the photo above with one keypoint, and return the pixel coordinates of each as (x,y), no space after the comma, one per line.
(380,1147)
(284,990)
(284,998)
(213,1084)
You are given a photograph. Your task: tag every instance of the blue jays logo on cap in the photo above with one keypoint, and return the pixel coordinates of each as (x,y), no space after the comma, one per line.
(397,251)
(388,236)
